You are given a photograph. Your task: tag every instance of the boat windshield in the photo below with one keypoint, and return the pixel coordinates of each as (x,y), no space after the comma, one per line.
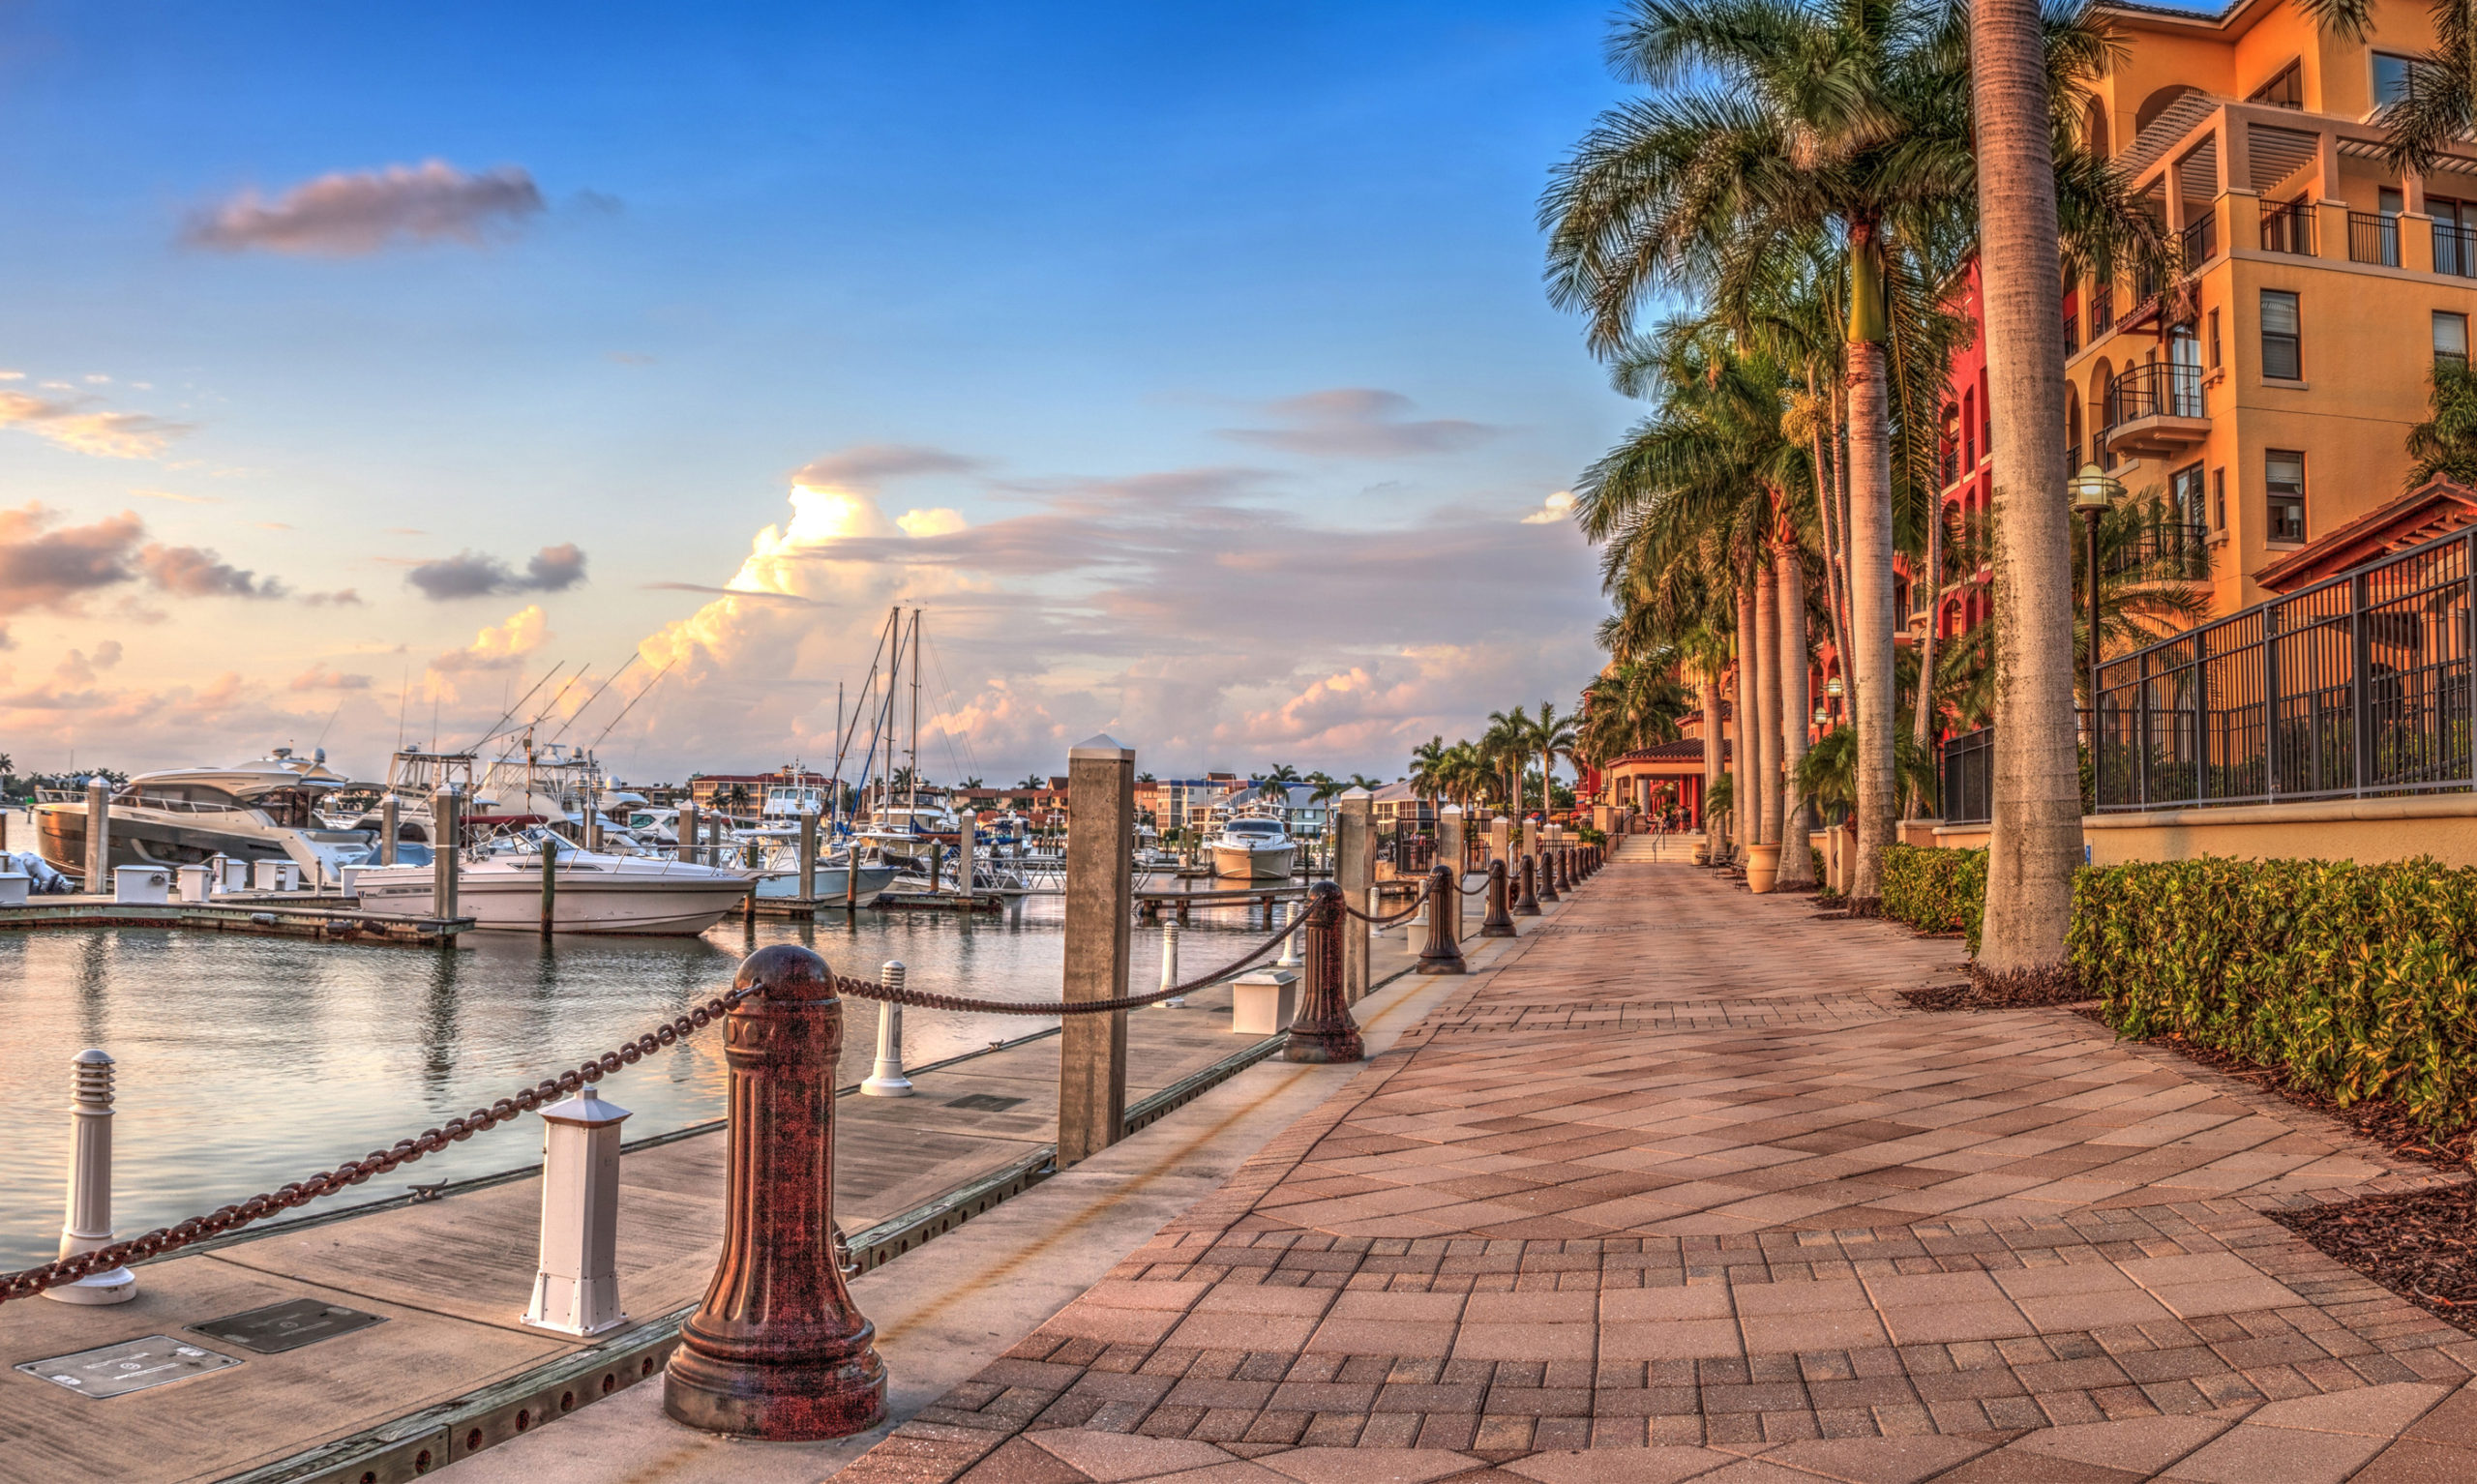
(1254,827)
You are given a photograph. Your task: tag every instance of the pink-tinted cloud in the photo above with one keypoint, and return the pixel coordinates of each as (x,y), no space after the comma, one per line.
(76,426)
(1358,423)
(44,565)
(350,214)
(195,572)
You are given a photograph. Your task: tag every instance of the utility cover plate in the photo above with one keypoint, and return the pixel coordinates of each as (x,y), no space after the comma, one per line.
(132,1365)
(288,1325)
(983,1102)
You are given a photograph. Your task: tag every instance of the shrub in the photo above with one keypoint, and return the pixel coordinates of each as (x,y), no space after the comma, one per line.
(2359,980)
(1936,890)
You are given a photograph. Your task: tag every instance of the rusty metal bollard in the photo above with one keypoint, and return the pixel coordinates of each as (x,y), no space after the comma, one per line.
(1323,1030)
(1527,904)
(1499,923)
(1442,955)
(778,1350)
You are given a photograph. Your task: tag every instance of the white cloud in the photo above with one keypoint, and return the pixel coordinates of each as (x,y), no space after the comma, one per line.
(1555,510)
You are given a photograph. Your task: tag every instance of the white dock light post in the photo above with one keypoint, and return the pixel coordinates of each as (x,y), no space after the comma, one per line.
(886,1079)
(99,834)
(447,821)
(89,1226)
(577,1292)
(1169,965)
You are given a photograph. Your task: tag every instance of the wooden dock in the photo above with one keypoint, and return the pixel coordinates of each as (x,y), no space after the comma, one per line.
(280,914)
(452,1369)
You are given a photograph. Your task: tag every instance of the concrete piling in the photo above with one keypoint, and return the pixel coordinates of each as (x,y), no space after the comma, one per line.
(99,834)
(447,816)
(1355,873)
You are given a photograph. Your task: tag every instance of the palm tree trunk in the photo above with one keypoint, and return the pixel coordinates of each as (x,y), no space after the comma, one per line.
(1767,698)
(1870,582)
(1708,687)
(1797,863)
(1923,723)
(1827,480)
(1748,787)
(2035,841)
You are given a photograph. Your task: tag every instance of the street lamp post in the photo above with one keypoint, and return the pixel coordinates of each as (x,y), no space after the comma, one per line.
(2094,490)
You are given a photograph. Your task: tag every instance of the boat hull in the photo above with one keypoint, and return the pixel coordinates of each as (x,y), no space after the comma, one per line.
(1266,864)
(829,883)
(647,905)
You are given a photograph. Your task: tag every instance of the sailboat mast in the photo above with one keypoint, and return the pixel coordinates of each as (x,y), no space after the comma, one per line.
(914,803)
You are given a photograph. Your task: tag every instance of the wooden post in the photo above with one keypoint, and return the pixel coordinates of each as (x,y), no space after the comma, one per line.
(713,840)
(447,834)
(99,834)
(386,831)
(687,832)
(1100,885)
(964,853)
(808,855)
(1355,873)
(550,882)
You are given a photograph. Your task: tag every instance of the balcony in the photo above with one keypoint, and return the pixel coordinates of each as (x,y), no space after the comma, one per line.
(2374,238)
(2456,250)
(2289,228)
(2156,408)
(2200,240)
(2166,549)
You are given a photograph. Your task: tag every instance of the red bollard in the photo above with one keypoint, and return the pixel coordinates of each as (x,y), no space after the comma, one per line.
(778,1350)
(1323,1030)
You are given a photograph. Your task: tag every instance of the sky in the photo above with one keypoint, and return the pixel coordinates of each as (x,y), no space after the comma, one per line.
(1188,366)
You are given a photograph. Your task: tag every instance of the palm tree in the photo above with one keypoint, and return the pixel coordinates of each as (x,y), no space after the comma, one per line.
(1552,736)
(2446,443)
(1507,745)
(1281,773)
(1427,760)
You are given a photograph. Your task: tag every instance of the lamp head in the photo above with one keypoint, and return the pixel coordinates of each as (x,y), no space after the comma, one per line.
(2093,490)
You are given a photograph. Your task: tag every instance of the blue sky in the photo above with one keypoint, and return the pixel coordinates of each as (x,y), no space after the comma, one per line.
(1055,252)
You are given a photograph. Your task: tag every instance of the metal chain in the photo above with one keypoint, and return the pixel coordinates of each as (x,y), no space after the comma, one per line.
(1403,915)
(871,989)
(163,1239)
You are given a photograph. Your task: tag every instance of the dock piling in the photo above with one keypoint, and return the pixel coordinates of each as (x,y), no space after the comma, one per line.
(446,811)
(966,852)
(808,852)
(886,1079)
(99,834)
(1101,888)
(778,1350)
(550,882)
(387,808)
(1355,873)
(577,1290)
(687,833)
(89,1226)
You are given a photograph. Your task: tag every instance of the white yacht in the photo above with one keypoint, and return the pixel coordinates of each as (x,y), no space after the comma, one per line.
(596,892)
(903,833)
(1254,849)
(265,809)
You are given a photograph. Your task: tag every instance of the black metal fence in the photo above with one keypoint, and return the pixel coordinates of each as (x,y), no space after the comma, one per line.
(2357,685)
(1966,786)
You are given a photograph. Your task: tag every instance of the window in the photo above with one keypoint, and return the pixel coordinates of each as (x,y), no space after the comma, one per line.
(2185,487)
(1969,433)
(2282,359)
(2071,326)
(2393,77)
(2451,337)
(2219,499)
(2390,201)
(2214,340)
(1985,415)
(2285,90)
(2284,481)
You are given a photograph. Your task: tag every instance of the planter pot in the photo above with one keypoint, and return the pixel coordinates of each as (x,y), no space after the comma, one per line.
(1762,867)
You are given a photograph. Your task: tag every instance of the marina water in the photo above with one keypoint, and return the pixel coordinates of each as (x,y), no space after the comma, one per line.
(249,1062)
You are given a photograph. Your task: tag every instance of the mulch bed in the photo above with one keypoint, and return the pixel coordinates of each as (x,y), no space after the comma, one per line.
(2422,1245)
(1936,996)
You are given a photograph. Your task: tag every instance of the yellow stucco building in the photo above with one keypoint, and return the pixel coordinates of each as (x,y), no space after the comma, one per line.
(2271,402)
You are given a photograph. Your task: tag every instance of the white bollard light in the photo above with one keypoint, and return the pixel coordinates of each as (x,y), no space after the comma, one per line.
(1169,965)
(1375,914)
(1289,958)
(886,1079)
(90,1186)
(577,1291)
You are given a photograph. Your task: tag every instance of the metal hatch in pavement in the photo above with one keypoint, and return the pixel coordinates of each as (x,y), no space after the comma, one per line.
(288,1325)
(132,1365)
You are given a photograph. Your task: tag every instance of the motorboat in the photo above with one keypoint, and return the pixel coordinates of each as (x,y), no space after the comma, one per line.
(265,809)
(594,892)
(1253,848)
(905,833)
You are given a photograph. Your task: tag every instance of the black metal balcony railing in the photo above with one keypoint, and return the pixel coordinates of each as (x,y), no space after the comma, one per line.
(1966,777)
(2456,250)
(2200,239)
(2155,389)
(2355,687)
(2071,333)
(2289,228)
(2374,238)
(2103,310)
(2169,549)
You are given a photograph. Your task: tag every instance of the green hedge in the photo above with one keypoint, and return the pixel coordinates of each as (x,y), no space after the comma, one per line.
(2359,980)
(1936,890)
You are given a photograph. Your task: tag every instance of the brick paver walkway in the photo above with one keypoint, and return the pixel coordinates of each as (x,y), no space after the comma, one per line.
(1680,1188)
